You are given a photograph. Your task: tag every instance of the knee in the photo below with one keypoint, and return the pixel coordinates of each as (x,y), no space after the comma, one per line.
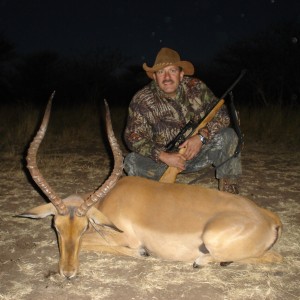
(129,162)
(229,136)
(228,132)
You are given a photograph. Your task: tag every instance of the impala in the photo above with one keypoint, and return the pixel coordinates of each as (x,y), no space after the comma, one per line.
(140,217)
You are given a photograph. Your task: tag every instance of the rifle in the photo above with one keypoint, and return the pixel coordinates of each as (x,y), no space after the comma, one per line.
(191,129)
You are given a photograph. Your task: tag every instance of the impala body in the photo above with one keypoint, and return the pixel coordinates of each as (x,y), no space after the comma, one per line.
(177,221)
(140,217)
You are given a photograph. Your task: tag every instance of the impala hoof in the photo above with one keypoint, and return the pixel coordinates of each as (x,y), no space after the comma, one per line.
(143,252)
(225,263)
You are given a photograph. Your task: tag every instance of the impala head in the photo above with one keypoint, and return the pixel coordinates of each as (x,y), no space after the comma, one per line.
(73,214)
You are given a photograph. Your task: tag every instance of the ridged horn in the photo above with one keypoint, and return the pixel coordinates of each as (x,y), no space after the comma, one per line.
(103,190)
(32,165)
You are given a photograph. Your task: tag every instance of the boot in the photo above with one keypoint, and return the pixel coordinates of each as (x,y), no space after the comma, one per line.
(228,185)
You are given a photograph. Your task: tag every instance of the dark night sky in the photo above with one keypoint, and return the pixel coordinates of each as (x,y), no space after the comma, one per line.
(195,28)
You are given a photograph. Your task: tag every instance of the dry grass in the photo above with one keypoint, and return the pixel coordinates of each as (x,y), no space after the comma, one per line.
(273,124)
(29,253)
(84,123)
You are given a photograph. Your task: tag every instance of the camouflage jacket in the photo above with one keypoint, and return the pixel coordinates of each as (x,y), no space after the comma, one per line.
(154,120)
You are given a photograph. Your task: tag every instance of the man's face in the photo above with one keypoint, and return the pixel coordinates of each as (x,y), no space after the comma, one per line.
(168,79)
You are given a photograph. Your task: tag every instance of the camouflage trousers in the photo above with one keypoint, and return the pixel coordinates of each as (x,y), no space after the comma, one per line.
(214,153)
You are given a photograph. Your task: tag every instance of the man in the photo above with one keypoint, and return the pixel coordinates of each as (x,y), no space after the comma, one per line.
(159,111)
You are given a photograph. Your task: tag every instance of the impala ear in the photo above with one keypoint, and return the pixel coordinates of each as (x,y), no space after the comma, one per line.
(39,212)
(97,217)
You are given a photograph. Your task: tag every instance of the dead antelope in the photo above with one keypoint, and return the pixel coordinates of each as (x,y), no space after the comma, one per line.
(140,217)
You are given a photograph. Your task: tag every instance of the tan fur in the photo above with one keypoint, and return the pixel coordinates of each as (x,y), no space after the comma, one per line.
(183,217)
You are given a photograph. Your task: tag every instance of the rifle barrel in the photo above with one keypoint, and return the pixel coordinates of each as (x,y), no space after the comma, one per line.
(243,72)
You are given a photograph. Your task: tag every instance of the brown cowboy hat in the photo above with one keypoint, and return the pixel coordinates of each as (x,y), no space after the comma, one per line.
(167,57)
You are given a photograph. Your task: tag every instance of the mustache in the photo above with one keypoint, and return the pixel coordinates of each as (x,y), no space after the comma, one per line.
(168,81)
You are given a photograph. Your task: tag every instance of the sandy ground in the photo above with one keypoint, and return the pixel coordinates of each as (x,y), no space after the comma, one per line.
(29,253)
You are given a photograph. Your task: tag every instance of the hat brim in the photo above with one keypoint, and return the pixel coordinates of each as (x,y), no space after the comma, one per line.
(187,67)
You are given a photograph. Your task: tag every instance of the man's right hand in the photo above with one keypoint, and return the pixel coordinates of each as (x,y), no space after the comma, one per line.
(176,160)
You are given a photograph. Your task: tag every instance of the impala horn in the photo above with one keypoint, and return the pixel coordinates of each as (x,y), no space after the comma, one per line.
(32,165)
(103,190)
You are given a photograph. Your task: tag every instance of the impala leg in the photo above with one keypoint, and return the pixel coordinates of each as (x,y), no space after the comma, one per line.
(117,250)
(204,257)
(111,241)
(230,237)
(202,260)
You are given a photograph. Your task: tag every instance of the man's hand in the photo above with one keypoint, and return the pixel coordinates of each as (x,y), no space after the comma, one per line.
(176,160)
(192,147)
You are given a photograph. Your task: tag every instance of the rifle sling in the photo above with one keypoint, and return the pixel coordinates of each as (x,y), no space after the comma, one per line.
(238,131)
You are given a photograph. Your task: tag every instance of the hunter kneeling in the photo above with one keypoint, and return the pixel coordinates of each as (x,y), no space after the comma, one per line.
(162,108)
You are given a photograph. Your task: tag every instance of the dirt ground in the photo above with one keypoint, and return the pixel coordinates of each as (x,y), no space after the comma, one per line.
(29,253)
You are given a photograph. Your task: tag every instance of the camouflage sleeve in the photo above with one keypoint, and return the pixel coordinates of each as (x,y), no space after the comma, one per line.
(221,119)
(138,133)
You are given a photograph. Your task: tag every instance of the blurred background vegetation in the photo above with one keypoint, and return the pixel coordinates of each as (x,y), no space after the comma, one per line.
(267,97)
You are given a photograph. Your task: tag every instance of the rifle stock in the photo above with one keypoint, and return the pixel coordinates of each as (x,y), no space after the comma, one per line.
(171,173)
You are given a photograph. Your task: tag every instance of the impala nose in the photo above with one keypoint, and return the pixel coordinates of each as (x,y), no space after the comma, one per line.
(68,273)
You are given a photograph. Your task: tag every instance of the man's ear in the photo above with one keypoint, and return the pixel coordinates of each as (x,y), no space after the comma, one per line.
(181,74)
(154,76)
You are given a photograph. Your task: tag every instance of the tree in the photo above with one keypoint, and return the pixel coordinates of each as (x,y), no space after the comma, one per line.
(272,58)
